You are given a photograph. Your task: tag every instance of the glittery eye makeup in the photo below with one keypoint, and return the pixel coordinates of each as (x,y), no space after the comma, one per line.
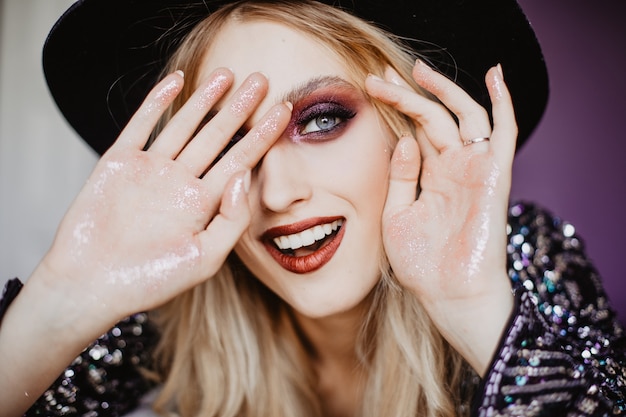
(322,119)
(324,113)
(323,109)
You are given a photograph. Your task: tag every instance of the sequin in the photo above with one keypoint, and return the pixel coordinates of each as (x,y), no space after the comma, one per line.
(105,380)
(563,329)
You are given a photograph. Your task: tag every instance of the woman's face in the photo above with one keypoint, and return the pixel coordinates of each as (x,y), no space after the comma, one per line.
(317,195)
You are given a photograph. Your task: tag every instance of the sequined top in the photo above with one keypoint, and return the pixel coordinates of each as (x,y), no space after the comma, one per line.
(564,352)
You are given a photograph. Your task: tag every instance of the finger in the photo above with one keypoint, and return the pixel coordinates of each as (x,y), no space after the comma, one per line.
(426,148)
(182,126)
(141,125)
(473,118)
(247,153)
(504,134)
(438,125)
(224,231)
(403,176)
(216,134)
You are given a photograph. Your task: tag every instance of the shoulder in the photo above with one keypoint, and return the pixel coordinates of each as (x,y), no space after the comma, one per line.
(563,351)
(547,257)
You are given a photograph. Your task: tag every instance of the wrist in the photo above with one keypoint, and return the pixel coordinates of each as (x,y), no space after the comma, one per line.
(38,324)
(63,304)
(474,326)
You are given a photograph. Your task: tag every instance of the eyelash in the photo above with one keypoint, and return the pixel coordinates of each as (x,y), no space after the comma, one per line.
(329,110)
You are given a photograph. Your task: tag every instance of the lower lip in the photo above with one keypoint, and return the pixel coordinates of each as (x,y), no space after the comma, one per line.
(308,263)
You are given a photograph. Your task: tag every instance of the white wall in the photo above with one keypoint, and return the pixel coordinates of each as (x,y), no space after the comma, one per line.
(42,162)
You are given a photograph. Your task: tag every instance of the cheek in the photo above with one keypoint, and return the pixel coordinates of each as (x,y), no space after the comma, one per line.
(244,250)
(365,173)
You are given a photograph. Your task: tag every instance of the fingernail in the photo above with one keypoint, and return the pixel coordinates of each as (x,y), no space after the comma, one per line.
(499,68)
(180,72)
(422,64)
(375,77)
(289,105)
(497,82)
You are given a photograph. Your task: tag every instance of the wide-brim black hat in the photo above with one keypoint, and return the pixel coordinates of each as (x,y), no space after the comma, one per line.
(103,56)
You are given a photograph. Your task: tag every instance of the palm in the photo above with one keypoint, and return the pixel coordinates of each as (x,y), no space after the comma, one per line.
(453,236)
(448,246)
(135,225)
(150,224)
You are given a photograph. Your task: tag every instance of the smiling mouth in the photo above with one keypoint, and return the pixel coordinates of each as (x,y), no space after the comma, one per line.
(308,249)
(309,240)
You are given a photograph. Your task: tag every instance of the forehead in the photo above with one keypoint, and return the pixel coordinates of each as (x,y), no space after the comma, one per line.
(288,57)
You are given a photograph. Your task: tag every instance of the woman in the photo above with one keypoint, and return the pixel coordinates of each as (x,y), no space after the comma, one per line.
(343,294)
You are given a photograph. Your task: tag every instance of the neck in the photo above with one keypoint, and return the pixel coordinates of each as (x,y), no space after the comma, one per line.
(333,338)
(333,343)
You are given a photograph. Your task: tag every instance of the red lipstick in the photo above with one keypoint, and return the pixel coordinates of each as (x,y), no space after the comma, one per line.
(312,261)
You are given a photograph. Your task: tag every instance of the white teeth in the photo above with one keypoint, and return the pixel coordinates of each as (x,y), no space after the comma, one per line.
(306,237)
(318,233)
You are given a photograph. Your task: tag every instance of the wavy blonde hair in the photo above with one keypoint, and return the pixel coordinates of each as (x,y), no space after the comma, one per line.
(230,347)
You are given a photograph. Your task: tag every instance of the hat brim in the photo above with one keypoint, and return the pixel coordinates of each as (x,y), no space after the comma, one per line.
(103,56)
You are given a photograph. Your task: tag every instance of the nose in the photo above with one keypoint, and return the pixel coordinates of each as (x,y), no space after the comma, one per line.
(282,178)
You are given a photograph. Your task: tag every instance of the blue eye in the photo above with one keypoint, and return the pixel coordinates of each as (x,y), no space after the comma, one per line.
(323,118)
(321,123)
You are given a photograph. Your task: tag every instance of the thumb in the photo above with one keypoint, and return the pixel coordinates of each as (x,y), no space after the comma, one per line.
(403,175)
(225,229)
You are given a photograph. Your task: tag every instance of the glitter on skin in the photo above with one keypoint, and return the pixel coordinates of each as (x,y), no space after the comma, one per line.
(112,167)
(163,97)
(233,161)
(521,353)
(82,236)
(246,97)
(187,198)
(155,270)
(212,92)
(237,190)
(480,245)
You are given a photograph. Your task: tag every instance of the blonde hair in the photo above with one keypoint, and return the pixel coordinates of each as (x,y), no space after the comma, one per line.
(230,347)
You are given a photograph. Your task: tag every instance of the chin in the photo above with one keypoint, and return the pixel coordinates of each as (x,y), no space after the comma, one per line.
(323,303)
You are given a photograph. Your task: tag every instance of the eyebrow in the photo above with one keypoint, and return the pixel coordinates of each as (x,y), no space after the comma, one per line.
(309,87)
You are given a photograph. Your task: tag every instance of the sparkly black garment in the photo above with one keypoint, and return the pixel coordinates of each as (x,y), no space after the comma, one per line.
(564,353)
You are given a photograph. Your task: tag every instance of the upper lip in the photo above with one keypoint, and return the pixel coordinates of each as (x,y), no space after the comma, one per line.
(297,227)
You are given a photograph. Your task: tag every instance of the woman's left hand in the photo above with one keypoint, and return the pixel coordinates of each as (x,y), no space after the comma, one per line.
(448,245)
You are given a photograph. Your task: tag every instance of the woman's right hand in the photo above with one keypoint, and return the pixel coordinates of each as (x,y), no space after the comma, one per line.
(146,226)
(151,224)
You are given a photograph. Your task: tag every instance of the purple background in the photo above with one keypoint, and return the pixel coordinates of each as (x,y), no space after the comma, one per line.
(575,162)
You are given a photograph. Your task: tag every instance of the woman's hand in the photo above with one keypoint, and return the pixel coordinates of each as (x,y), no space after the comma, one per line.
(448,246)
(151,224)
(146,226)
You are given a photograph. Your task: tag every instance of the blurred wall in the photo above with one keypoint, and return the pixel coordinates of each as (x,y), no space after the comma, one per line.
(42,162)
(573,165)
(575,162)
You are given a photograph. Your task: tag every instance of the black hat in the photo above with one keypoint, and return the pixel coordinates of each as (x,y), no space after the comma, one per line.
(103,56)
